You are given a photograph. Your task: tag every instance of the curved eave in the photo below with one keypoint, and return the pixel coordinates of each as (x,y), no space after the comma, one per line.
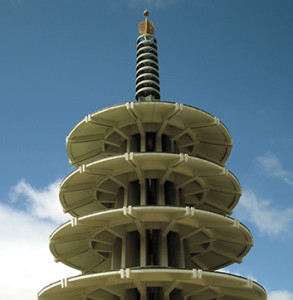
(103,133)
(229,241)
(191,282)
(205,185)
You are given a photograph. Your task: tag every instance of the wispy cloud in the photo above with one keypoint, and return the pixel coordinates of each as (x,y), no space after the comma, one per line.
(280,295)
(268,219)
(40,203)
(28,265)
(271,164)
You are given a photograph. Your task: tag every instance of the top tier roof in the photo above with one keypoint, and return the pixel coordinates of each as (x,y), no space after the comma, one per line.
(176,128)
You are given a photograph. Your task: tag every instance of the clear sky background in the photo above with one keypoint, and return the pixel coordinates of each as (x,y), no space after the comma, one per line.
(63,59)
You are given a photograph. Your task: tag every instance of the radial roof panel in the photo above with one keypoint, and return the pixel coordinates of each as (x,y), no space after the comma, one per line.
(110,131)
(87,243)
(200,183)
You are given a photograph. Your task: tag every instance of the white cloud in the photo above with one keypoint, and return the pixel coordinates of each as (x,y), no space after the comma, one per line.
(273,167)
(40,203)
(264,215)
(280,295)
(25,257)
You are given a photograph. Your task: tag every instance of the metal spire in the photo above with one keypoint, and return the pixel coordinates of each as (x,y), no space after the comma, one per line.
(147,68)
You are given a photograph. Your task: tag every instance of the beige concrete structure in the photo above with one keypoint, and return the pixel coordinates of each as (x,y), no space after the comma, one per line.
(150,199)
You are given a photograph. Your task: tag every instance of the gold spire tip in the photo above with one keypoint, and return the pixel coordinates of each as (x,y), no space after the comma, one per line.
(146,27)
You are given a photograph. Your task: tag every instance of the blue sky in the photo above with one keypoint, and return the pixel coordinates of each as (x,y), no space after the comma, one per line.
(61,60)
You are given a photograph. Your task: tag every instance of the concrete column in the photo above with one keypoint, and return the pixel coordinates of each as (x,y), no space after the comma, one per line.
(187,257)
(143,193)
(159,143)
(125,200)
(143,247)
(123,253)
(161,198)
(142,143)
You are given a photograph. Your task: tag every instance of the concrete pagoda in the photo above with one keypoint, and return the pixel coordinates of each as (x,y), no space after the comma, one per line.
(149,200)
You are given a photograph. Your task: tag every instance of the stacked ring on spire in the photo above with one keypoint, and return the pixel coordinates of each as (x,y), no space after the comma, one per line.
(147,68)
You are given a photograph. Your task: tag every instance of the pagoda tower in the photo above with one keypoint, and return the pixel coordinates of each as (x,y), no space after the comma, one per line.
(149,200)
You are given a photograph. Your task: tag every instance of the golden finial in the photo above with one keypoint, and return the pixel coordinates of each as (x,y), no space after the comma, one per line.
(146,27)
